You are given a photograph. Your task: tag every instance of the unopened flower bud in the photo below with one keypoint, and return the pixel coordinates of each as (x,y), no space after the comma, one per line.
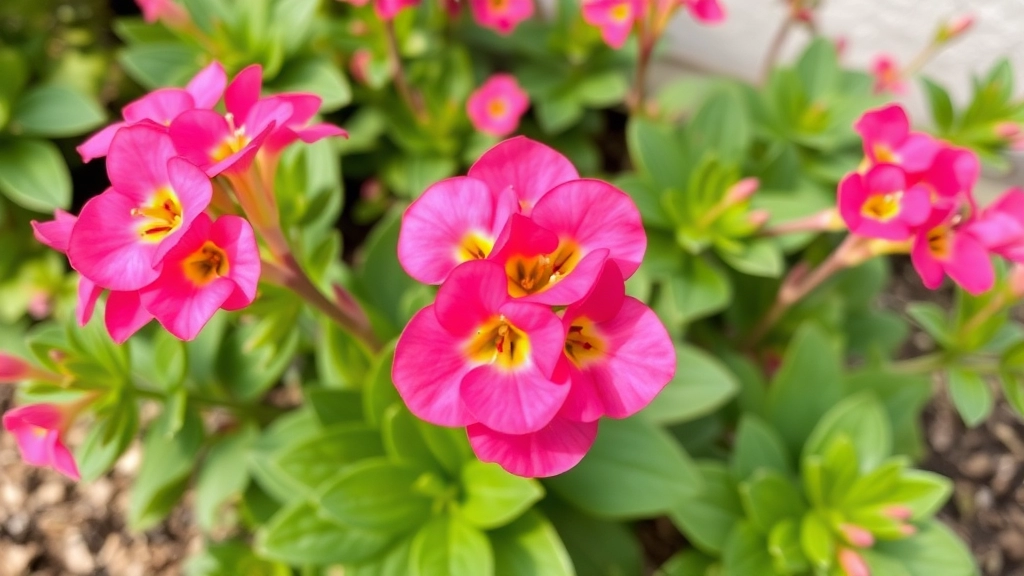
(741,191)
(899,512)
(908,529)
(857,536)
(359,65)
(954,28)
(759,218)
(1007,130)
(13,369)
(852,563)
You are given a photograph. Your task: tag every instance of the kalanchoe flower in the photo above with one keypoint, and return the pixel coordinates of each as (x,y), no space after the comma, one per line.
(549,451)
(161,107)
(615,18)
(618,354)
(215,265)
(852,563)
(495,107)
(705,11)
(122,235)
(954,28)
(476,355)
(1000,227)
(527,167)
(501,16)
(888,140)
(879,204)
(888,76)
(943,247)
(38,429)
(166,11)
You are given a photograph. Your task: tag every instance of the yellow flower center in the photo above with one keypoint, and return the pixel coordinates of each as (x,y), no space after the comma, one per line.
(497,107)
(499,5)
(621,12)
(499,342)
(206,264)
(584,344)
(885,155)
(474,246)
(882,207)
(233,143)
(939,243)
(162,216)
(531,274)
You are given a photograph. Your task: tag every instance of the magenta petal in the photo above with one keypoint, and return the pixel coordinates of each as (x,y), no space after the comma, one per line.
(318,132)
(240,161)
(428,370)
(513,401)
(706,11)
(235,236)
(595,215)
(99,143)
(197,134)
(207,86)
(575,285)
(124,315)
(105,245)
(438,222)
(604,300)
(34,447)
(884,179)
(55,233)
(552,450)
(62,460)
(916,205)
(888,125)
(471,296)
(160,106)
(544,328)
(529,167)
(918,151)
(969,265)
(243,92)
(521,236)
(304,106)
(88,294)
(194,192)
(851,197)
(137,162)
(46,416)
(928,268)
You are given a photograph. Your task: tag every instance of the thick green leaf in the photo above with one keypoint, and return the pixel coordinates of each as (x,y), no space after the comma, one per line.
(817,541)
(108,438)
(317,458)
(923,492)
(403,440)
(530,546)
(55,111)
(709,516)
(723,125)
(971,396)
(336,406)
(376,495)
(784,546)
(159,64)
(940,103)
(686,563)
(379,392)
(758,258)
(700,386)
(933,320)
(657,152)
(807,385)
(700,290)
(863,420)
(450,546)
(410,176)
(904,397)
(493,497)
(450,446)
(167,462)
(634,470)
(818,68)
(225,474)
(393,563)
(298,535)
(746,553)
(933,551)
(597,547)
(758,446)
(33,175)
(769,498)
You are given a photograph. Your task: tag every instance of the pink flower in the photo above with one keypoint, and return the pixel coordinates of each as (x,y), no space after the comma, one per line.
(941,248)
(495,107)
(1001,226)
(549,451)
(388,9)
(229,143)
(954,28)
(888,140)
(527,167)
(888,76)
(38,430)
(951,179)
(881,205)
(618,353)
(476,355)
(161,107)
(852,563)
(215,265)
(501,15)
(705,11)
(615,18)
(122,235)
(166,10)
(14,369)
(555,256)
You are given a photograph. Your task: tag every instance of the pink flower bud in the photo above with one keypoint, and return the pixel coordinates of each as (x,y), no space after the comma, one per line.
(852,563)
(954,27)
(1007,130)
(900,512)
(759,218)
(908,529)
(13,369)
(359,65)
(857,536)
(741,191)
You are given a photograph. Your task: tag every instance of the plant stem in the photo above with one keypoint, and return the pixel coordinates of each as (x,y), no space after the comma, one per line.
(639,95)
(410,97)
(775,48)
(920,365)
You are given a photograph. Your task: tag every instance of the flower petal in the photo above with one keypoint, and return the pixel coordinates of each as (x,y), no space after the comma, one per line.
(888,126)
(605,298)
(88,294)
(969,265)
(55,233)
(513,401)
(551,450)
(207,86)
(530,168)
(137,161)
(244,92)
(124,315)
(472,295)
(62,460)
(235,236)
(105,246)
(160,106)
(98,144)
(197,134)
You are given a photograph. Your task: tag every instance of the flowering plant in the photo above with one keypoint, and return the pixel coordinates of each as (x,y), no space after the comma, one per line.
(521,302)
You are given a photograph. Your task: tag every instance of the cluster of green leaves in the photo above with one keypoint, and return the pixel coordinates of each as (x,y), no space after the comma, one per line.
(989,124)
(814,451)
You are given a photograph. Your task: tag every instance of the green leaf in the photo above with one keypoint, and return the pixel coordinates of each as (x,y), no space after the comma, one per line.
(933,551)
(530,546)
(376,495)
(785,548)
(971,396)
(403,440)
(225,474)
(709,516)
(723,125)
(923,492)
(379,392)
(700,290)
(557,114)
(167,462)
(108,438)
(597,547)
(758,258)
(33,175)
(450,446)
(904,397)
(863,420)
(657,152)
(342,360)
(746,553)
(55,111)
(758,447)
(807,385)
(933,320)
(298,535)
(231,558)
(410,176)
(634,470)
(382,281)
(14,71)
(335,406)
(818,68)
(494,497)
(700,386)
(817,541)
(316,459)
(450,546)
(686,563)
(319,76)
(395,562)
(159,64)
(769,498)
(940,103)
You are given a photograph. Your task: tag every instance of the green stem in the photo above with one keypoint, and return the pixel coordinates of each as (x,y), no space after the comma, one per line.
(261,411)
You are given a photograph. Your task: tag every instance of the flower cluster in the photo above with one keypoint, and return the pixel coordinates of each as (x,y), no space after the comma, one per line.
(617,18)
(148,239)
(502,16)
(915,193)
(531,338)
(496,107)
